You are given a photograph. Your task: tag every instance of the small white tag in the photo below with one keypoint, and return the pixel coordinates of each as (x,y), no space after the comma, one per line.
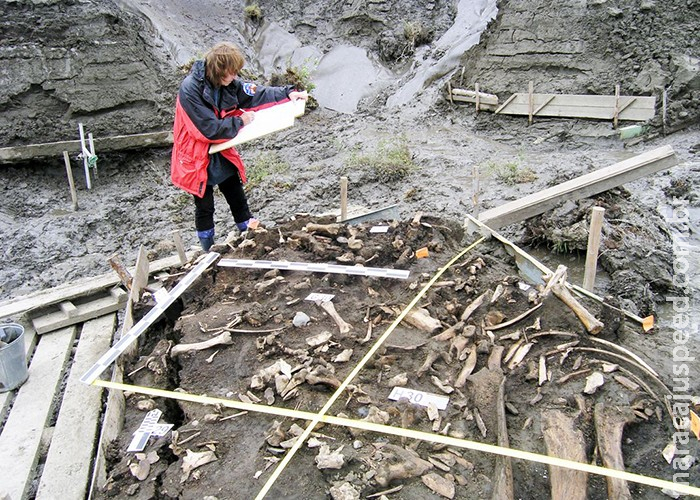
(419,397)
(320,297)
(139,442)
(379,229)
(161,430)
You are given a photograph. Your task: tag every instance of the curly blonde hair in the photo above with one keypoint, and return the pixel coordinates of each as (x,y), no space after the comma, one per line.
(221,60)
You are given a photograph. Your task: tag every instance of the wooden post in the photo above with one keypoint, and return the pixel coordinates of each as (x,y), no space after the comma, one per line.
(449,92)
(476,89)
(475,190)
(664,110)
(71,183)
(343,198)
(593,246)
(179,246)
(616,112)
(530,101)
(85,158)
(91,143)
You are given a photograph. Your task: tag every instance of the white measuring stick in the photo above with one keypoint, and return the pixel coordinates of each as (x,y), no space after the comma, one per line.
(313,267)
(117,349)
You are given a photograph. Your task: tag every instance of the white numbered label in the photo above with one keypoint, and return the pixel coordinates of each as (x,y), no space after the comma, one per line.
(419,397)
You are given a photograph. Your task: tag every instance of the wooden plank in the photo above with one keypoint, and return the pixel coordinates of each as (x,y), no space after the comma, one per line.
(89,310)
(471,96)
(636,108)
(21,437)
(580,187)
(102,145)
(482,106)
(30,340)
(66,472)
(81,288)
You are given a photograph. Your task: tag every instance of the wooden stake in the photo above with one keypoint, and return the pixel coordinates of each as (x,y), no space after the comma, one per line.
(179,246)
(616,112)
(343,198)
(476,89)
(475,190)
(664,109)
(593,247)
(122,272)
(71,183)
(530,101)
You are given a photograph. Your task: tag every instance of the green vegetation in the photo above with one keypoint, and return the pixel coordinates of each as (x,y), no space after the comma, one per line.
(390,162)
(510,173)
(415,33)
(253,12)
(264,165)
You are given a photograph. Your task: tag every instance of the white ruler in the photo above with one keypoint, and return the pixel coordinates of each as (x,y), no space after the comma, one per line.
(312,267)
(117,349)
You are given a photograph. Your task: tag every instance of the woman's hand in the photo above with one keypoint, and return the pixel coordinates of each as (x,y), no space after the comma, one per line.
(296,95)
(247,117)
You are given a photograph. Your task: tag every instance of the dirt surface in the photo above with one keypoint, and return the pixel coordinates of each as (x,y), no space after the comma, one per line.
(430,358)
(114,66)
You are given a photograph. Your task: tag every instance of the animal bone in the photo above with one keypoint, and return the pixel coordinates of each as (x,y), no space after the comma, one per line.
(592,324)
(327,229)
(328,306)
(421,319)
(223,339)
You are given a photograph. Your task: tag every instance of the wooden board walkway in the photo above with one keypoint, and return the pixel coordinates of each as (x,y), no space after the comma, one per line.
(601,107)
(62,471)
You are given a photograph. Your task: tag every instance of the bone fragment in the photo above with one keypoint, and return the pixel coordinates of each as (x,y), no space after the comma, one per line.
(328,306)
(563,439)
(421,319)
(609,424)
(473,306)
(450,332)
(325,229)
(592,324)
(467,369)
(223,339)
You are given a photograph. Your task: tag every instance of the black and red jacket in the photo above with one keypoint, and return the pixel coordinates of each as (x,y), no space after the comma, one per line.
(199,123)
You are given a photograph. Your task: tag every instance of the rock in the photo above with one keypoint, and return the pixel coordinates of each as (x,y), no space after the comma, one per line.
(300,319)
(146,405)
(345,491)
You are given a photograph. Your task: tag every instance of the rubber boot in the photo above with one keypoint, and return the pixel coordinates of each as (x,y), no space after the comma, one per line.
(243,226)
(206,238)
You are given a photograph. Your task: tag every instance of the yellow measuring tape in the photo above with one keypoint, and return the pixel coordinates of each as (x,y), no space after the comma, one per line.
(321,416)
(317,418)
(407,433)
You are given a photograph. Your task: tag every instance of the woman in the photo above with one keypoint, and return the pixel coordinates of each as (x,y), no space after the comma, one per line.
(211,107)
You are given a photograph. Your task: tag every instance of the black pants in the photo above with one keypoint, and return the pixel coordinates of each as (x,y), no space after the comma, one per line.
(232,189)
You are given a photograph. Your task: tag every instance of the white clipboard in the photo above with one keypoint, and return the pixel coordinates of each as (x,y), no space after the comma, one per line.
(267,121)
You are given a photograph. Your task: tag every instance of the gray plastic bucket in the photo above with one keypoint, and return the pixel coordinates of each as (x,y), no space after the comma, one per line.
(13,361)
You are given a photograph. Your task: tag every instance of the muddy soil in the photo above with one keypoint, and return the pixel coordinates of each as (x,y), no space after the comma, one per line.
(115,66)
